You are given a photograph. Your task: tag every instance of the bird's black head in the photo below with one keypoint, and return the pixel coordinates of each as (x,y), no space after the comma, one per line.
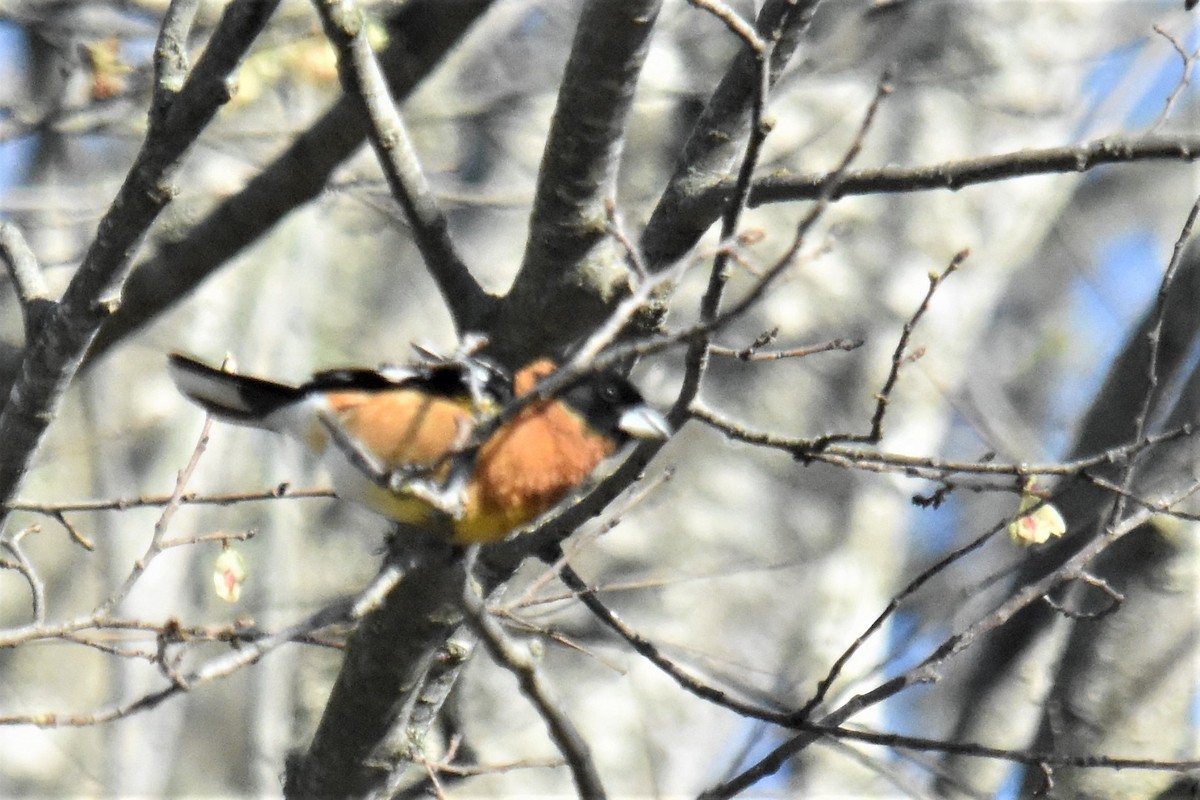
(614,407)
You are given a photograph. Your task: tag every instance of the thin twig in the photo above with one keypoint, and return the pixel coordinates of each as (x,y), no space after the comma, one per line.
(900,356)
(648,650)
(927,670)
(927,466)
(734,22)
(579,543)
(604,335)
(73,532)
(223,538)
(160,527)
(633,255)
(1115,599)
(893,605)
(905,742)
(696,359)
(37,589)
(1185,79)
(1158,506)
(281,492)
(829,187)
(1154,339)
(1154,335)
(753,353)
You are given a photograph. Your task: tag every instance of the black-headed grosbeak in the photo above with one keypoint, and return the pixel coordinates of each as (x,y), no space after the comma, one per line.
(416,424)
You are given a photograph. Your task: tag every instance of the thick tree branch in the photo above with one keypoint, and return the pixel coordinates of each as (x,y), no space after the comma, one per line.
(170,54)
(382,683)
(572,272)
(715,145)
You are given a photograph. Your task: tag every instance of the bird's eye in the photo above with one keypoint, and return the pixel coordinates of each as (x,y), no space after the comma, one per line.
(609,393)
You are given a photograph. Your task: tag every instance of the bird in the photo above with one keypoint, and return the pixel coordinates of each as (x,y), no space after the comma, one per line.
(402,440)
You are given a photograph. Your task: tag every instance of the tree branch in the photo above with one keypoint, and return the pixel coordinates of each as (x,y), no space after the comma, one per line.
(247,651)
(50,362)
(954,175)
(470,306)
(297,176)
(715,144)
(381,684)
(927,670)
(27,277)
(572,272)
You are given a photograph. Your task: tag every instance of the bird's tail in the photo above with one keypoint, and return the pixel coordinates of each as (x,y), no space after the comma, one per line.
(235,398)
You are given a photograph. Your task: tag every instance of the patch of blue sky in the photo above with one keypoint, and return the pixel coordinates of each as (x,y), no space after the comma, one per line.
(1010,788)
(1103,309)
(15,152)
(935,530)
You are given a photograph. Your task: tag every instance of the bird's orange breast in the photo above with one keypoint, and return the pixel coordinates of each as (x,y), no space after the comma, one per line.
(526,467)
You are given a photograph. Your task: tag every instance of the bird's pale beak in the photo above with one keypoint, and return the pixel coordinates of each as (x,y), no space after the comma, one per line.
(643,422)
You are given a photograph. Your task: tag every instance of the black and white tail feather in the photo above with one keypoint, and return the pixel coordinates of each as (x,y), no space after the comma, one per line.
(235,398)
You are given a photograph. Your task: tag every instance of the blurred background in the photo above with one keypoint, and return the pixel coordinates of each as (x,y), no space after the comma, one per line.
(746,565)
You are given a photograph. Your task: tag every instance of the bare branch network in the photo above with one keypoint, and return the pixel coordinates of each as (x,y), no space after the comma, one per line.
(934,459)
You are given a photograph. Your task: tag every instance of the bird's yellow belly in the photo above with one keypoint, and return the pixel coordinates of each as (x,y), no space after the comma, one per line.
(477,525)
